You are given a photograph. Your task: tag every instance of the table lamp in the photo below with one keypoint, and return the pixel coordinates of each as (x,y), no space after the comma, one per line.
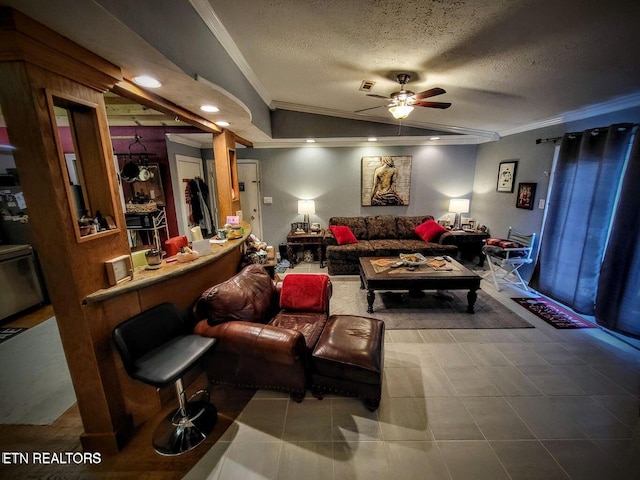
(458,206)
(306,207)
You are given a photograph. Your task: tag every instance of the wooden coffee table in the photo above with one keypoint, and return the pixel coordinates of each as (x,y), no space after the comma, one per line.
(424,277)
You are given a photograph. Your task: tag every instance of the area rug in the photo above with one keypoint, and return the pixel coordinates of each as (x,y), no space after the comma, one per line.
(34,380)
(552,313)
(399,310)
(9,332)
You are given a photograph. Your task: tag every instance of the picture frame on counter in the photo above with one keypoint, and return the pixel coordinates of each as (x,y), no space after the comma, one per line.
(119,269)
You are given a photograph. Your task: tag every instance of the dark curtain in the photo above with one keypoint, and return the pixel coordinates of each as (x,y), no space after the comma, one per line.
(618,300)
(581,204)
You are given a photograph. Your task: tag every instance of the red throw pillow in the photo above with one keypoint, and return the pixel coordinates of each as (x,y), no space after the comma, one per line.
(429,230)
(343,234)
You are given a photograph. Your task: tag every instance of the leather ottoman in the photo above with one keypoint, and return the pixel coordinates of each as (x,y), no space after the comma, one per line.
(348,359)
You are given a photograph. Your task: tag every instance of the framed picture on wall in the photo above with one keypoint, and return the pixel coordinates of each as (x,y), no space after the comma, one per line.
(526,195)
(386,181)
(507,176)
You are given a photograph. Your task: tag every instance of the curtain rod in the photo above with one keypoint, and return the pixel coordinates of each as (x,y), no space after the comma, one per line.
(547,140)
(555,139)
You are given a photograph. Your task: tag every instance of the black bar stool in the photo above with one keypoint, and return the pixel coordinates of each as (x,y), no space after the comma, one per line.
(157,349)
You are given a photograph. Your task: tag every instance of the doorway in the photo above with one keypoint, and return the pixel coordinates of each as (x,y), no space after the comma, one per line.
(188,169)
(249,182)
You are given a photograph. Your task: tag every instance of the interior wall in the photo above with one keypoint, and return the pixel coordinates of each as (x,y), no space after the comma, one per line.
(498,210)
(331,177)
(154,140)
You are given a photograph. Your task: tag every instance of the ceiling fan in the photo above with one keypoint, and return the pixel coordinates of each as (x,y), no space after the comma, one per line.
(402,102)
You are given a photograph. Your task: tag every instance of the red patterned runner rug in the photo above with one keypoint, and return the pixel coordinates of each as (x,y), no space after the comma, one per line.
(553,314)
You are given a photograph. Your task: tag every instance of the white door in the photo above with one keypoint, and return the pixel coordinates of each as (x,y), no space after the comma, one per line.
(188,169)
(250,195)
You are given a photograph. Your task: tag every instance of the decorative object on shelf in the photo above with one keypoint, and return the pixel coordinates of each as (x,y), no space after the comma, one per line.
(386,181)
(468,224)
(526,195)
(458,206)
(507,176)
(315,227)
(299,228)
(119,269)
(306,208)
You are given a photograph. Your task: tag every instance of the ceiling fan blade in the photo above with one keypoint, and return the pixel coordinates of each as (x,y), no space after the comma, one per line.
(441,105)
(377,96)
(370,108)
(432,92)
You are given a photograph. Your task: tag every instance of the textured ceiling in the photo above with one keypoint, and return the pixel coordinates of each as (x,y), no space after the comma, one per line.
(504,63)
(507,65)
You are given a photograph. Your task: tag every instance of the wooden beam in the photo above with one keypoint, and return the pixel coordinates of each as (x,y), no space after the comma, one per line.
(129,90)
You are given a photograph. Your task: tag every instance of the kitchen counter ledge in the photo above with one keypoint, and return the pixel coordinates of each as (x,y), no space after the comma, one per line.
(143,278)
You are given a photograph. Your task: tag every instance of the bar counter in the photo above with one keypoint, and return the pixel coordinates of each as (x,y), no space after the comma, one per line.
(143,278)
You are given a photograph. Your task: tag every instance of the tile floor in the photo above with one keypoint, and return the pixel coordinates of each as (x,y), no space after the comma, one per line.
(457,404)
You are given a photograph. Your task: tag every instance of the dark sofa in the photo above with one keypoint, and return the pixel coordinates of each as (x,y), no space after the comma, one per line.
(383,236)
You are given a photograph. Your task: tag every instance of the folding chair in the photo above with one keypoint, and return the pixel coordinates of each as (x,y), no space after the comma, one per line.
(506,256)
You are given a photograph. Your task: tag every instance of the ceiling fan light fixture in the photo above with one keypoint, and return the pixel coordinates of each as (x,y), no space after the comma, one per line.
(400,111)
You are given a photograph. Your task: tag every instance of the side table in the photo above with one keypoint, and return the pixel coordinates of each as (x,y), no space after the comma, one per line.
(470,244)
(295,240)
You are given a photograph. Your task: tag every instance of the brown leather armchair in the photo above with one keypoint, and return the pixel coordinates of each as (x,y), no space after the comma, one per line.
(266,333)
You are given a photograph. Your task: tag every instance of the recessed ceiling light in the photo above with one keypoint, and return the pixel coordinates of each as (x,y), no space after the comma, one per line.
(222,123)
(209,108)
(372,139)
(434,138)
(310,140)
(146,81)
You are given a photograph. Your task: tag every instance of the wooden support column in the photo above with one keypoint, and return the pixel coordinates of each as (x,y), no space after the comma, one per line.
(224,153)
(36,66)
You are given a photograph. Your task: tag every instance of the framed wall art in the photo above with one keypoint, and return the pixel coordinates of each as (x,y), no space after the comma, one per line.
(526,195)
(386,181)
(507,176)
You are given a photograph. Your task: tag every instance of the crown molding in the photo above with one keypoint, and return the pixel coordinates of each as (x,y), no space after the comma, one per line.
(213,23)
(618,103)
(381,142)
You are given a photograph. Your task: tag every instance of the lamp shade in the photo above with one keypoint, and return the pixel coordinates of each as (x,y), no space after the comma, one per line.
(401,111)
(459,205)
(306,207)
